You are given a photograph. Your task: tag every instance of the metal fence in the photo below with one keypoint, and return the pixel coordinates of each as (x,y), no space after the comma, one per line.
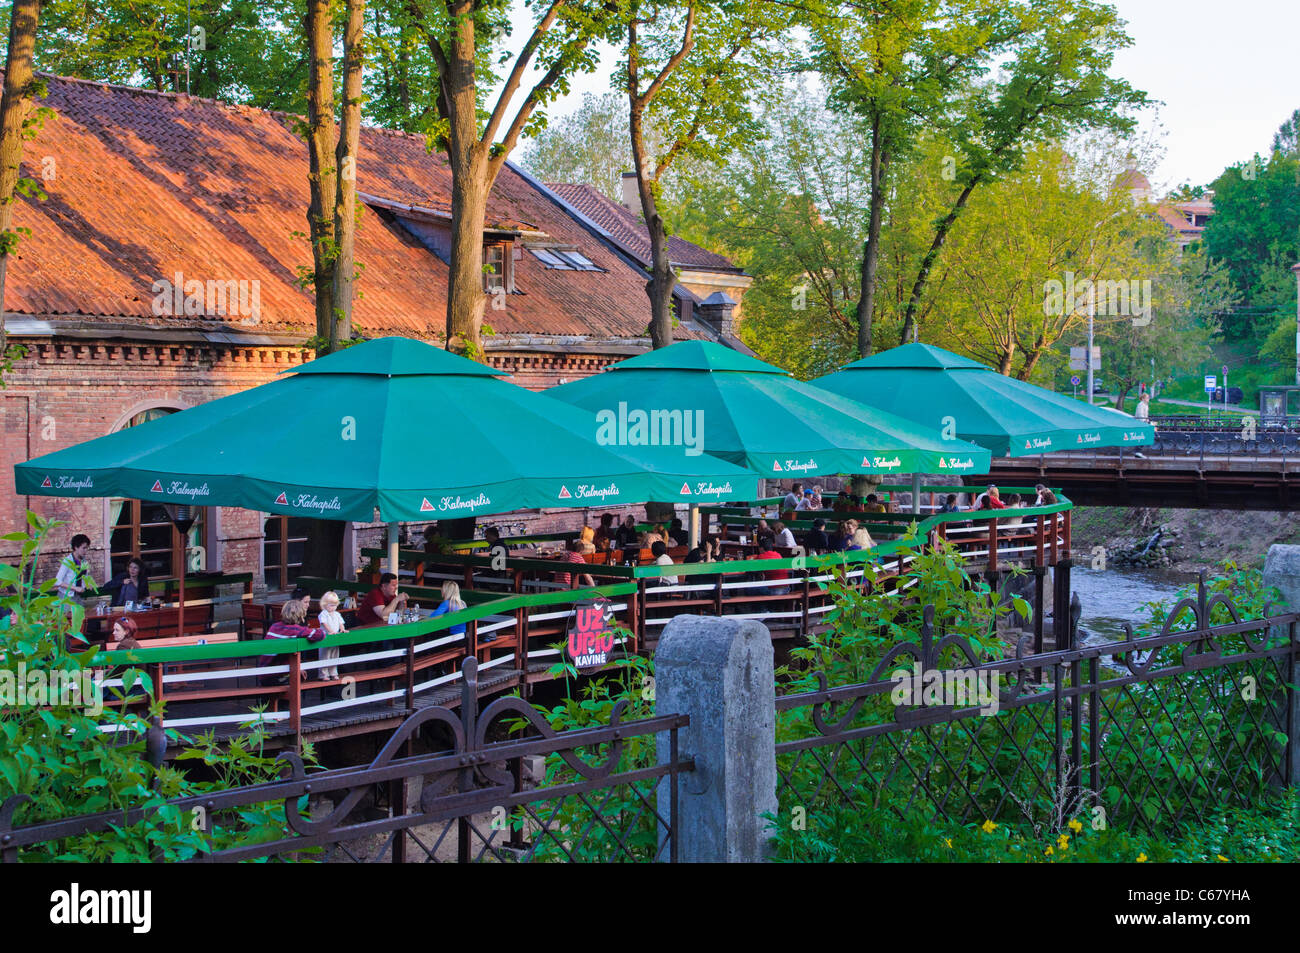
(1152,732)
(598,794)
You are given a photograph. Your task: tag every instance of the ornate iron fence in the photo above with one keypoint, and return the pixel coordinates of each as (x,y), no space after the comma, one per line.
(1153,731)
(598,796)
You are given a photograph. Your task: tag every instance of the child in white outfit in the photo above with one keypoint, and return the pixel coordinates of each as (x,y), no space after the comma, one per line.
(332,622)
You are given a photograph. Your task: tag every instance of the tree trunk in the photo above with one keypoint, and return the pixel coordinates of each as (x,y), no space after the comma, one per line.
(662,279)
(324,546)
(13,110)
(469,189)
(345,210)
(323,175)
(871,250)
(923,273)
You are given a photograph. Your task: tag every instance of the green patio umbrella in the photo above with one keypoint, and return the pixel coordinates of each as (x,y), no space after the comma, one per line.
(938,390)
(392,425)
(722,402)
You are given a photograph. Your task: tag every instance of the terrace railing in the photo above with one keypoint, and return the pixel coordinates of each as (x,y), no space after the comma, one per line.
(1147,733)
(598,795)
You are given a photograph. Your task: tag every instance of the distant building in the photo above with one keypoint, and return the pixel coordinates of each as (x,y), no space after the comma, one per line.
(1185,220)
(709,285)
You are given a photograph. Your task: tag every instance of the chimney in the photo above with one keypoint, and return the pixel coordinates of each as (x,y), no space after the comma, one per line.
(631,194)
(715,311)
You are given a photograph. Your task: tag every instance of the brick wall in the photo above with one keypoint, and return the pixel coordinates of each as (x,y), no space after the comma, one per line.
(66,392)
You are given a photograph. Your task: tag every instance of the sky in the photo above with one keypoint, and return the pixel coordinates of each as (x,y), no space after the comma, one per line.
(1226,76)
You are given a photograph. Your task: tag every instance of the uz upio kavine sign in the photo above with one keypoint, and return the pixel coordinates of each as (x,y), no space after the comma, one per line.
(591,638)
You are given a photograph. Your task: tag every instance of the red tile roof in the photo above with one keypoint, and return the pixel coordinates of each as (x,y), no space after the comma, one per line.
(148,184)
(628,231)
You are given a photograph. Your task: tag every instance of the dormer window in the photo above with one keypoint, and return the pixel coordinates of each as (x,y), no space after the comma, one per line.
(498,268)
(563,258)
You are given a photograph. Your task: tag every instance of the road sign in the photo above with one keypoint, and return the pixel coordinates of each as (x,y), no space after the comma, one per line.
(1211,382)
(1079,358)
(1225,372)
(1075,380)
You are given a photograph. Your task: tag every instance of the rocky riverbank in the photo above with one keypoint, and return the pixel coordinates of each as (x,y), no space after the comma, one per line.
(1185,540)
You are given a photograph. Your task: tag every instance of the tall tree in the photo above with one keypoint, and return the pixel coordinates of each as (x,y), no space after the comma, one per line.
(20,86)
(589,145)
(331,214)
(693,64)
(1056,84)
(1287,138)
(899,64)
(456,32)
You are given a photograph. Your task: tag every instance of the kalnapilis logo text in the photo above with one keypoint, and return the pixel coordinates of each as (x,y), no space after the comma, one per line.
(74,906)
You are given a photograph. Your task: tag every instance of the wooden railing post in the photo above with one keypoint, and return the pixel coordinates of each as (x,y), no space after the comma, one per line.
(807,584)
(410,674)
(1055,539)
(717,596)
(993,545)
(295,696)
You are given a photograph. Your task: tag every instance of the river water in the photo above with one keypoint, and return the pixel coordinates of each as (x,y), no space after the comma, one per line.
(1112,596)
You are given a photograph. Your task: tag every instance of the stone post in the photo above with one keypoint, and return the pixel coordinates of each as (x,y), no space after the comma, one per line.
(719,672)
(1282,569)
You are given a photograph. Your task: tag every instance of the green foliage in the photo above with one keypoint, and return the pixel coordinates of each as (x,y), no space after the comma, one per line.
(1254,230)
(872,798)
(1267,831)
(59,755)
(590,828)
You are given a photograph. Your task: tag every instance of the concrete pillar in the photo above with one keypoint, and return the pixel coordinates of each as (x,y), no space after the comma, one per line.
(719,672)
(1282,569)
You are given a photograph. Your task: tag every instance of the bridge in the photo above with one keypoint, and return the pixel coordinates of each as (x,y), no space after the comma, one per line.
(1195,463)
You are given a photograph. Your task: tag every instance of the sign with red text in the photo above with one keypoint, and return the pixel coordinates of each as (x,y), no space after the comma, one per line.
(591,637)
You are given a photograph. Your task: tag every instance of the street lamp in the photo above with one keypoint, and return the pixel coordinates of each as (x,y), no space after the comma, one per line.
(183,517)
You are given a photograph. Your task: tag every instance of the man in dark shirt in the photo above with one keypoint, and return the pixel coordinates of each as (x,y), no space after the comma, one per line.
(626,537)
(817,541)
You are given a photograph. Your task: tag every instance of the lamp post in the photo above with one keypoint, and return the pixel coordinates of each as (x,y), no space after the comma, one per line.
(183,518)
(1296,268)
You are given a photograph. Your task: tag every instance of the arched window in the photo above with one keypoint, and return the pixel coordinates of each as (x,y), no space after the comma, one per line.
(141,528)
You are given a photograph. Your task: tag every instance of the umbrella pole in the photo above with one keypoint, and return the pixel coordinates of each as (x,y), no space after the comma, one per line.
(694,531)
(180,616)
(916,494)
(392,548)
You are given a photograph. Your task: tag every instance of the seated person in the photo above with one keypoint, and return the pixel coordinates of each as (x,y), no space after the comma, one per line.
(950,504)
(130,586)
(626,536)
(772,575)
(678,533)
(783,535)
(434,542)
(1045,496)
(125,635)
(841,501)
(452,602)
(660,553)
(573,555)
(586,539)
(291,625)
(604,537)
(874,505)
(815,503)
(989,500)
(379,603)
(493,537)
(817,541)
(856,505)
(844,535)
(861,540)
(791,501)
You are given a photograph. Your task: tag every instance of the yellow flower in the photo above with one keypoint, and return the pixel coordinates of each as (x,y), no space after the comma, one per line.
(1063,842)
(1222,858)
(988,827)
(1142,858)
(1075,826)
(948,841)
(1048,852)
